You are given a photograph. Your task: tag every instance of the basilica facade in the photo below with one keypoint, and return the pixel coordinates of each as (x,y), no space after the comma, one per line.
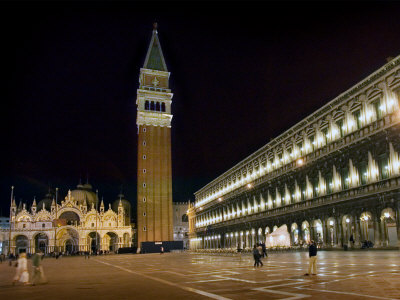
(334,177)
(76,224)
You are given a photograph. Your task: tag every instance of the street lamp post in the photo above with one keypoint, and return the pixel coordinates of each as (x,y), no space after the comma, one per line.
(9,222)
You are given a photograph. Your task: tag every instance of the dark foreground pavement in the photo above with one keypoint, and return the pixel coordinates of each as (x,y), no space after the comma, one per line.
(341,275)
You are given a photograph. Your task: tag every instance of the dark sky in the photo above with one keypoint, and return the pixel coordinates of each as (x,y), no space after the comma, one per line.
(241,74)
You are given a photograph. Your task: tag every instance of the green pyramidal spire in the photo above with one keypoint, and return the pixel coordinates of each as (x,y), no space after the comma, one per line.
(155,58)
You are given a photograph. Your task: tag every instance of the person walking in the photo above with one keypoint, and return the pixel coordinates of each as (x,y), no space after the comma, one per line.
(38,274)
(256,255)
(22,274)
(260,252)
(161,250)
(264,250)
(312,252)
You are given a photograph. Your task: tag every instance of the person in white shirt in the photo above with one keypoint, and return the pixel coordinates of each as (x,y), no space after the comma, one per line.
(22,274)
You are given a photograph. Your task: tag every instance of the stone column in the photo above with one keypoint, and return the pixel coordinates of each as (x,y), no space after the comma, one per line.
(325,233)
(384,239)
(338,231)
(291,234)
(398,225)
(357,231)
(377,230)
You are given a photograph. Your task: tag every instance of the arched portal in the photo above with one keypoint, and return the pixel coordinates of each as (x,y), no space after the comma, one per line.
(93,241)
(70,246)
(306,232)
(295,233)
(261,238)
(348,229)
(319,234)
(21,244)
(111,242)
(41,242)
(388,218)
(67,240)
(331,234)
(367,227)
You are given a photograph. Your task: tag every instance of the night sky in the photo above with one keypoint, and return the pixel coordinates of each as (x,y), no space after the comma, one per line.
(241,74)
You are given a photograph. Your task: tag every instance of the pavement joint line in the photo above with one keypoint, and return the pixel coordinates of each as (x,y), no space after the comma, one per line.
(193,290)
(344,293)
(292,295)
(235,279)
(208,280)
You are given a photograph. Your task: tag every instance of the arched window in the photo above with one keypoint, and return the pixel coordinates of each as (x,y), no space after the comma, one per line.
(163,107)
(146,105)
(152,105)
(158,106)
(185,218)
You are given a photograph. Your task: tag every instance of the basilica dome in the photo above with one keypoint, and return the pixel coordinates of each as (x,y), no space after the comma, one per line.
(85,192)
(47,200)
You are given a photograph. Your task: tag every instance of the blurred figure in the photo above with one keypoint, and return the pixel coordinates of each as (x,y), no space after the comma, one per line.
(264,250)
(256,255)
(22,274)
(38,274)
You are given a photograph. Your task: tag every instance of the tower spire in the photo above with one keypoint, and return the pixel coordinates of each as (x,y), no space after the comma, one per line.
(154,57)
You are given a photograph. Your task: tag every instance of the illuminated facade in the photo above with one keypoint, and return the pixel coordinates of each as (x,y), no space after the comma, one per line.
(154,185)
(75,225)
(333,177)
(181,223)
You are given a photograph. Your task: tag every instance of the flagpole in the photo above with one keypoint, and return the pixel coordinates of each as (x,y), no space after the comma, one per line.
(55,227)
(9,222)
(97,202)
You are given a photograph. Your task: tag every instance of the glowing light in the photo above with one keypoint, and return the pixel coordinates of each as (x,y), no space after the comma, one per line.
(300,162)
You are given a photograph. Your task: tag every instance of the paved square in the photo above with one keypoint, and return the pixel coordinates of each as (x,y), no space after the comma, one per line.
(345,275)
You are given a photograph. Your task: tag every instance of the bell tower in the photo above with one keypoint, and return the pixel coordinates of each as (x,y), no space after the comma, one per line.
(154,185)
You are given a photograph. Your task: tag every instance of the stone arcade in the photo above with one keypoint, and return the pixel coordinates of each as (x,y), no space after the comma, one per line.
(334,177)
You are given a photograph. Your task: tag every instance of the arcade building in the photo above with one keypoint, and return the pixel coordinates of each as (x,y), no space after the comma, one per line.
(334,177)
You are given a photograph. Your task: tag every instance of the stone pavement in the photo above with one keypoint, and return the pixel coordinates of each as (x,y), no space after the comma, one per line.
(341,275)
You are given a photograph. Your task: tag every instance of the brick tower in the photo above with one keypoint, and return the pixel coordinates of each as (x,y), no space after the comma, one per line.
(154,185)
